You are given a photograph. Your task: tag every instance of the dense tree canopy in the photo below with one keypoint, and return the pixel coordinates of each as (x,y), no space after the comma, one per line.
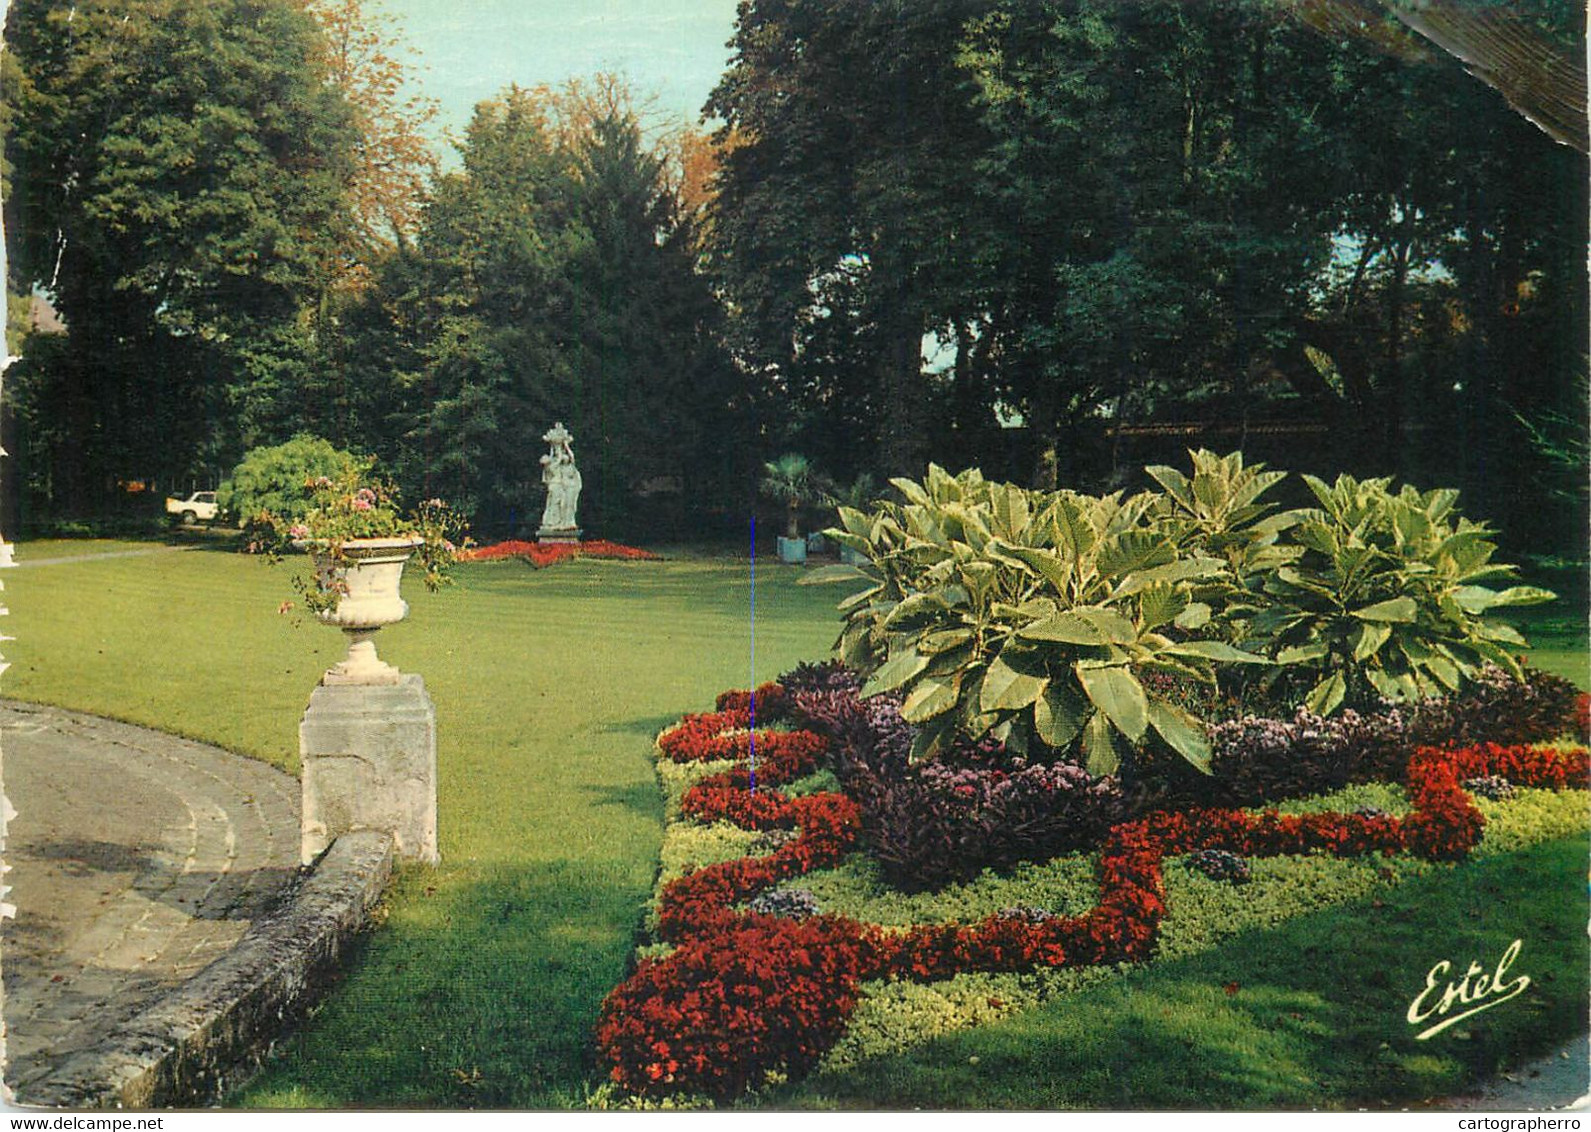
(552,279)
(177,173)
(1055,238)
(1112,215)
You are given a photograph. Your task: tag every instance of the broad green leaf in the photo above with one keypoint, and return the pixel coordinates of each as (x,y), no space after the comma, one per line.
(1074,533)
(1398,609)
(1525,595)
(1086,626)
(1132,551)
(1180,571)
(1182,731)
(912,491)
(856,522)
(1052,567)
(1295,577)
(1217,651)
(934,736)
(1010,506)
(1160,604)
(902,665)
(1369,638)
(916,611)
(838,573)
(932,644)
(1504,632)
(1444,670)
(1005,688)
(1325,697)
(1475,599)
(1058,714)
(861,597)
(1175,483)
(1099,745)
(1388,685)
(1196,616)
(1302,654)
(932,696)
(1117,693)
(951,660)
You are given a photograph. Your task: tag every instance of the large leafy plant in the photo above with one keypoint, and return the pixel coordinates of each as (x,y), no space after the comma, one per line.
(1385,597)
(1028,617)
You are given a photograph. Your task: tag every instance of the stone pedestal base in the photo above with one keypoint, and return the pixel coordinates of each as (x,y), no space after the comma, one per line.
(369,763)
(564,534)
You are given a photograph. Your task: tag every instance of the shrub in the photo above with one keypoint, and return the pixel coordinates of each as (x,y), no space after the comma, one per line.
(1261,759)
(1385,599)
(270,480)
(1029,617)
(1494,706)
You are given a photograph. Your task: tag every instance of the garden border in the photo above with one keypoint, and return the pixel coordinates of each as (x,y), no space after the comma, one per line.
(787,987)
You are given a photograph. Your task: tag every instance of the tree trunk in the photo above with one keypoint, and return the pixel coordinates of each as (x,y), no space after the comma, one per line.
(901,441)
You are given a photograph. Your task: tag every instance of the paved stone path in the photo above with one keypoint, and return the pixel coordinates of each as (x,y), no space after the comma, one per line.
(68,559)
(137,858)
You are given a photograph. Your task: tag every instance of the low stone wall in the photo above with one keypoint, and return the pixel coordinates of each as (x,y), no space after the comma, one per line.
(212,1032)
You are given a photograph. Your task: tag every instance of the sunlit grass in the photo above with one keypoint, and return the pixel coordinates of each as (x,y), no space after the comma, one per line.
(482,986)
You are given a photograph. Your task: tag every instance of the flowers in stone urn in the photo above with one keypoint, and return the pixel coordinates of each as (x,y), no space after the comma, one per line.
(356,517)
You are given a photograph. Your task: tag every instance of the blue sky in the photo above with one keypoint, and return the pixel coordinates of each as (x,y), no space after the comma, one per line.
(472,49)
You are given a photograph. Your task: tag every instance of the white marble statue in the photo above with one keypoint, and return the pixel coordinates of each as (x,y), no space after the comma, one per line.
(562,478)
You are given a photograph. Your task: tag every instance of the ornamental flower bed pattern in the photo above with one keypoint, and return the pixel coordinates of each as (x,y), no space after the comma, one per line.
(545,554)
(745,994)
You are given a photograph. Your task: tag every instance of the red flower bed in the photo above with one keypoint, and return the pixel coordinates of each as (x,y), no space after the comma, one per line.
(771,699)
(744,994)
(546,553)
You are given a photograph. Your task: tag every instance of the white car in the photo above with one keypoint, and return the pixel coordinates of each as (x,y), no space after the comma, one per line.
(198,506)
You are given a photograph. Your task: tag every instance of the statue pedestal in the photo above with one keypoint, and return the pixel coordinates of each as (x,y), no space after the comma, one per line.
(368,754)
(563,534)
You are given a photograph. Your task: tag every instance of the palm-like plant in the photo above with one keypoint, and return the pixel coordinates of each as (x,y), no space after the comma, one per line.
(793,480)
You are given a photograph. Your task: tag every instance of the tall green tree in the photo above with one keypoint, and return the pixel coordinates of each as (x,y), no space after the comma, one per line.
(843,231)
(1107,214)
(178,167)
(552,280)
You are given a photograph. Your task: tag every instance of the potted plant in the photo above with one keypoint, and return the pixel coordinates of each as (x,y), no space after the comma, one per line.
(360,538)
(792,480)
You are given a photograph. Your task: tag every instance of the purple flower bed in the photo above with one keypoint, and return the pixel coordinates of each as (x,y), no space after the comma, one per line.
(948,819)
(976,807)
(1262,759)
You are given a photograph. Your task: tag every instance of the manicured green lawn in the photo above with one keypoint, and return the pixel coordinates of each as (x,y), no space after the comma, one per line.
(483,984)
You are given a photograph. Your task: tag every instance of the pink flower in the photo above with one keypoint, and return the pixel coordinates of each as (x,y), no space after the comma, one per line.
(298,530)
(362,505)
(365,495)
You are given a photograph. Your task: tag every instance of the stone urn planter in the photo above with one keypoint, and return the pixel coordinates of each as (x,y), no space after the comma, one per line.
(370,574)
